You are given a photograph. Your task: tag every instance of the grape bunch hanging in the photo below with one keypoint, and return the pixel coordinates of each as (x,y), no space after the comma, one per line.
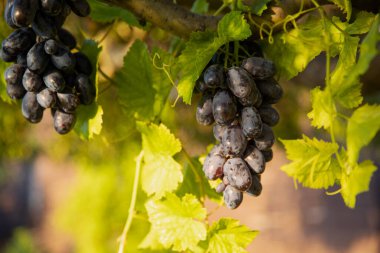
(238,101)
(46,73)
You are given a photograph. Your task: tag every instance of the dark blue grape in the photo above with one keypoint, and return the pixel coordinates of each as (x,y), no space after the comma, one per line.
(44,26)
(86,89)
(54,80)
(19,41)
(213,166)
(24,11)
(232,197)
(233,141)
(31,109)
(63,122)
(204,113)
(68,39)
(240,82)
(254,159)
(269,115)
(250,122)
(31,81)
(47,98)
(224,107)
(79,7)
(266,139)
(237,173)
(256,188)
(270,90)
(63,60)
(259,68)
(51,7)
(37,59)
(68,102)
(213,76)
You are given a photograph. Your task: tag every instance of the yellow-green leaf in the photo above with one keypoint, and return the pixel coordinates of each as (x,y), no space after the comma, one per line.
(312,162)
(356,182)
(324,111)
(178,222)
(361,129)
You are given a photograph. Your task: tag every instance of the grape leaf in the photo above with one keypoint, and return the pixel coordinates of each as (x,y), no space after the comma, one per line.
(200,6)
(202,46)
(312,162)
(177,221)
(142,87)
(362,23)
(194,175)
(105,13)
(350,87)
(356,182)
(227,235)
(324,111)
(292,51)
(160,173)
(344,5)
(89,118)
(361,129)
(259,6)
(89,121)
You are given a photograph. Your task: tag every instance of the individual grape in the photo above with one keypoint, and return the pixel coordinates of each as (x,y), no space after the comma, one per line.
(86,89)
(232,197)
(63,60)
(237,173)
(68,102)
(79,7)
(19,41)
(31,81)
(218,131)
(259,68)
(250,122)
(220,187)
(51,7)
(253,99)
(217,150)
(269,115)
(213,166)
(268,155)
(44,26)
(7,57)
(224,107)
(37,59)
(31,110)
(54,80)
(204,113)
(240,82)
(13,74)
(64,122)
(213,76)
(270,90)
(46,98)
(254,159)
(233,141)
(8,14)
(256,188)
(24,11)
(59,20)
(82,64)
(68,39)
(51,47)
(13,78)
(200,85)
(266,139)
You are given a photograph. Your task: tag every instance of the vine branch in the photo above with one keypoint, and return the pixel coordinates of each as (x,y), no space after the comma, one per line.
(168,15)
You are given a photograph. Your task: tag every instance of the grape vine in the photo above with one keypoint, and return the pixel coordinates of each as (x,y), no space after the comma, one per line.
(235,55)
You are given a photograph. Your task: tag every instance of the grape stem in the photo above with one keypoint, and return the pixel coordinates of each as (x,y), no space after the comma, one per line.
(131,211)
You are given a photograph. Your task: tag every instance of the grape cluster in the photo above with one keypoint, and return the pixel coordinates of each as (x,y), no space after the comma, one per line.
(239,101)
(46,73)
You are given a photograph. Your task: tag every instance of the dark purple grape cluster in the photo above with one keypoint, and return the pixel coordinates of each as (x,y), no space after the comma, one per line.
(238,101)
(47,72)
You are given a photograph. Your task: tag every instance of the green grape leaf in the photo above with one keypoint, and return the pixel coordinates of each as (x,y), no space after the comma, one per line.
(361,129)
(104,13)
(312,162)
(160,173)
(89,118)
(348,97)
(356,182)
(292,51)
(227,235)
(202,46)
(259,6)
(345,6)
(361,24)
(324,112)
(178,222)
(348,93)
(200,6)
(194,175)
(142,87)
(89,121)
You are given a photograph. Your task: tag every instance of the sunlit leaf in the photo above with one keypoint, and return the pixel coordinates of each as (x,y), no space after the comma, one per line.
(345,6)
(312,162)
(323,112)
(178,222)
